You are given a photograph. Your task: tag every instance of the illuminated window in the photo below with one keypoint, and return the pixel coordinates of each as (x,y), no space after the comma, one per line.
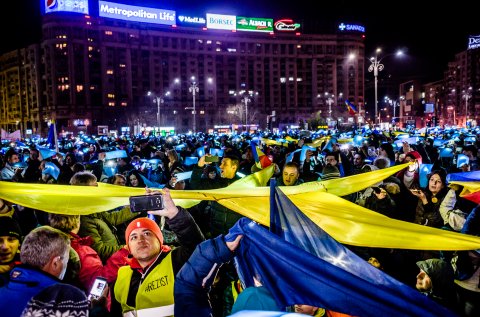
(109,71)
(202,111)
(122,66)
(123,104)
(111,104)
(90,48)
(111,96)
(79,88)
(108,33)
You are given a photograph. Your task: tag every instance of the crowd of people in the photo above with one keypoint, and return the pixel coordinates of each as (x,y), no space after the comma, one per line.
(178,261)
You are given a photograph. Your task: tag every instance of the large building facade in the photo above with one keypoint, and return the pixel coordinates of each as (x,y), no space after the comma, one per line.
(90,71)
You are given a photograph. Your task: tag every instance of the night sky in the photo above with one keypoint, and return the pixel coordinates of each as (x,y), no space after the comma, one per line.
(430,31)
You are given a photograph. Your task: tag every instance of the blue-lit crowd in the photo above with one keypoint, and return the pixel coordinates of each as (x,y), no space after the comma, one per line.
(180,261)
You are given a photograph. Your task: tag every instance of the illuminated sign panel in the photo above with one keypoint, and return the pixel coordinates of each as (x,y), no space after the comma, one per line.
(191,20)
(473,41)
(286,25)
(135,13)
(76,6)
(254,24)
(221,21)
(351,27)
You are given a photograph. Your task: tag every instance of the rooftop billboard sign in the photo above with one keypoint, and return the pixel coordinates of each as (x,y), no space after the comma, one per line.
(473,41)
(351,27)
(221,21)
(135,13)
(286,25)
(75,6)
(195,21)
(254,24)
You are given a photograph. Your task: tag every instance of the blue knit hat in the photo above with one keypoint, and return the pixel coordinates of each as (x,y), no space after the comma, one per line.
(58,300)
(255,298)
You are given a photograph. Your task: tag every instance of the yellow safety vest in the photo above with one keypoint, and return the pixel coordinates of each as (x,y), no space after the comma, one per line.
(155,294)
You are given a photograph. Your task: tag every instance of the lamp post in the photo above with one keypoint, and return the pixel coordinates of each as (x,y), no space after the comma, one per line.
(246,100)
(247,97)
(393,103)
(466,95)
(376,67)
(193,89)
(329,102)
(158,100)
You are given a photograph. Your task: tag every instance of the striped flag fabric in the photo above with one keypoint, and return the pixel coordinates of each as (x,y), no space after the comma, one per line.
(351,107)
(261,160)
(298,262)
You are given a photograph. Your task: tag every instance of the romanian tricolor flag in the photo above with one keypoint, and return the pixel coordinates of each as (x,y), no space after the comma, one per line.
(350,107)
(470,182)
(261,160)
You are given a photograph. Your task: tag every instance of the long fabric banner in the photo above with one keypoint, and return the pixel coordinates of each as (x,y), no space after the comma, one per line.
(343,220)
(298,255)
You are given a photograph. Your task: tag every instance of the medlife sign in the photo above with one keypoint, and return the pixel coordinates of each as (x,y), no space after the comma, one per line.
(135,13)
(221,21)
(473,41)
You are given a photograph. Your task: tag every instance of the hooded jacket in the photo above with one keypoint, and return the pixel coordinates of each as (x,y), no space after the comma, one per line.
(442,276)
(24,283)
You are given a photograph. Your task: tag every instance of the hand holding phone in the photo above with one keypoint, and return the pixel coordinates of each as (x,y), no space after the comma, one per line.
(212,158)
(98,288)
(146,202)
(170,209)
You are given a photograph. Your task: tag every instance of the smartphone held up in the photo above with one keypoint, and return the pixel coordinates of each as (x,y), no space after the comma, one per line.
(212,158)
(97,289)
(146,202)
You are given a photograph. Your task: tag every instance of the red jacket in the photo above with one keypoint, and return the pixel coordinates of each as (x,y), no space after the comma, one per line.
(91,264)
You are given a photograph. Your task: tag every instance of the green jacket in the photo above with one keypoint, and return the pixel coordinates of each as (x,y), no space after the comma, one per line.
(102,228)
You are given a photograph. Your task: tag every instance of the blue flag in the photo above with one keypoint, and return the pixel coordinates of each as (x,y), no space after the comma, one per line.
(300,263)
(51,136)
(45,152)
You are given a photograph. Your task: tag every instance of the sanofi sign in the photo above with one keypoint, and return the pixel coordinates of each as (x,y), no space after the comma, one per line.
(221,21)
(135,13)
(351,27)
(76,6)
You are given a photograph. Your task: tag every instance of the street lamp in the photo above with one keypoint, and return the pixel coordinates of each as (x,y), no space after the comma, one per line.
(247,97)
(193,89)
(466,95)
(376,67)
(393,103)
(329,102)
(158,100)
(246,100)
